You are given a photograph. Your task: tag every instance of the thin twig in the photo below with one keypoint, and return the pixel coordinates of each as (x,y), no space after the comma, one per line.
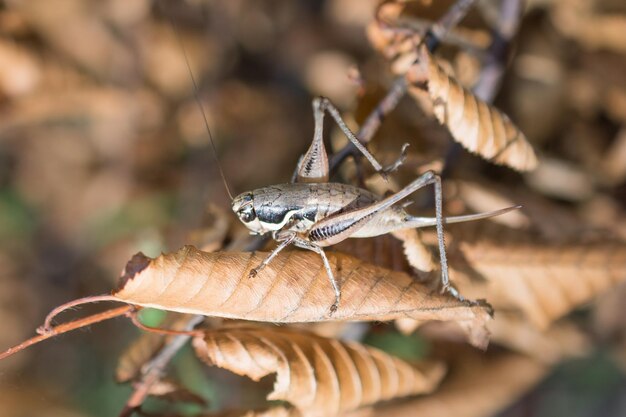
(453,16)
(495,63)
(153,371)
(372,123)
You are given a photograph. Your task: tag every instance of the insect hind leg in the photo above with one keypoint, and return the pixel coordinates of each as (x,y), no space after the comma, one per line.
(435,179)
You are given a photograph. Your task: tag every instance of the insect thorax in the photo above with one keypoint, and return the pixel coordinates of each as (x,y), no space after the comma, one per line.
(300,205)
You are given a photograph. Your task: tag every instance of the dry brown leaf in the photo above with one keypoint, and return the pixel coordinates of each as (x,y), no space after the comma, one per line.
(112,116)
(293,288)
(514,270)
(319,376)
(379,34)
(274,412)
(478,386)
(543,281)
(479,127)
(415,251)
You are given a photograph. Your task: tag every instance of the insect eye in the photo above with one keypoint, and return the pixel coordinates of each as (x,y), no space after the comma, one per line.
(247,215)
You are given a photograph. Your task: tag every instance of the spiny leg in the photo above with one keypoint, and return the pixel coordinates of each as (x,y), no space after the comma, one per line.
(443,258)
(305,244)
(338,227)
(286,238)
(324,104)
(313,165)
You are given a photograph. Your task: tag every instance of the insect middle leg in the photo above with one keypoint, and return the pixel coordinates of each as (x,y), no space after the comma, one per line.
(305,244)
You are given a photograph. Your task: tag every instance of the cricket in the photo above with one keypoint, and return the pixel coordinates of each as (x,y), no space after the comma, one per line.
(312,213)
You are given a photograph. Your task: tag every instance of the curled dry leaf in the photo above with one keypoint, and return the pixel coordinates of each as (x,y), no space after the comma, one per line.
(319,376)
(476,125)
(416,252)
(293,288)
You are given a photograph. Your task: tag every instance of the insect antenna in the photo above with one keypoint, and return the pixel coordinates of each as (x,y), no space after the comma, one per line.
(196,93)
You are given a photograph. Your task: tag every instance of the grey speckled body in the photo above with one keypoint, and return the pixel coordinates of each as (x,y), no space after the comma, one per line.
(299,206)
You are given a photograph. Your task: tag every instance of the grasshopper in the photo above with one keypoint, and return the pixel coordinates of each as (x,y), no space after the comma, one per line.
(312,213)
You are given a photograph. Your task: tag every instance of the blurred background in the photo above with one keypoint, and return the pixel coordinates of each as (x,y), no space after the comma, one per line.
(103,153)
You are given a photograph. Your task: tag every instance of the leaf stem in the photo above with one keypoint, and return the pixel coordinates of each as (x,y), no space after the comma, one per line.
(66,327)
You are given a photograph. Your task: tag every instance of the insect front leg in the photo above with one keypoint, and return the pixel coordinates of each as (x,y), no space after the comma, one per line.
(326,105)
(305,244)
(285,238)
(313,165)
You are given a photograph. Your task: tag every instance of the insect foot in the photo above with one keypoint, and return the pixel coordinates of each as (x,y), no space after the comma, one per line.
(455,293)
(396,164)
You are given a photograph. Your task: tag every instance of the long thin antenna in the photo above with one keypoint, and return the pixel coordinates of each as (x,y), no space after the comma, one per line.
(196,94)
